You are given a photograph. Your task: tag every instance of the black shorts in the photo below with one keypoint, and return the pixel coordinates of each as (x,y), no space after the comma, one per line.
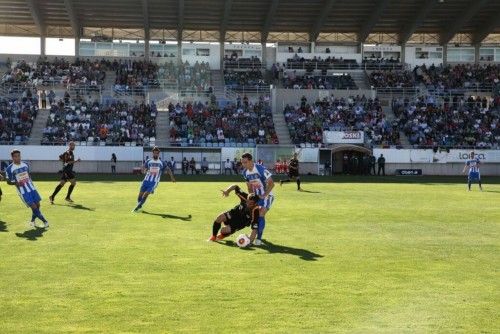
(67,175)
(234,222)
(293,173)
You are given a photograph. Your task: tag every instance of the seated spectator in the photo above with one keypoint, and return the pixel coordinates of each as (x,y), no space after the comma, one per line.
(240,81)
(343,81)
(206,123)
(392,79)
(114,123)
(471,122)
(16,119)
(306,122)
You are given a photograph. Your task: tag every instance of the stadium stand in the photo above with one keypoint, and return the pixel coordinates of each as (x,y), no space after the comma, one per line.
(133,76)
(318,63)
(58,72)
(392,79)
(16,118)
(92,123)
(208,125)
(239,80)
(461,122)
(307,121)
(292,80)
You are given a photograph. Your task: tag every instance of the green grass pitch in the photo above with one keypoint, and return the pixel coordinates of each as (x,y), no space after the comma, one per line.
(410,255)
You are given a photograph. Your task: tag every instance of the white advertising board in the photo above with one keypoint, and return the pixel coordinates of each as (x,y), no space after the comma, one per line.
(86,153)
(429,156)
(343,137)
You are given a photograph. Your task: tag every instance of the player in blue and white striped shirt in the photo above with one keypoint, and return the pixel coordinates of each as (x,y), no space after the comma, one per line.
(18,175)
(259,181)
(153,168)
(473,165)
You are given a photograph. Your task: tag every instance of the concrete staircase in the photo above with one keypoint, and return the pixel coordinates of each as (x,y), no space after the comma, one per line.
(360,78)
(163,128)
(281,128)
(389,114)
(38,126)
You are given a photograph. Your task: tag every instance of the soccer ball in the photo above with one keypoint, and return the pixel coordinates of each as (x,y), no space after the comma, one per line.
(242,241)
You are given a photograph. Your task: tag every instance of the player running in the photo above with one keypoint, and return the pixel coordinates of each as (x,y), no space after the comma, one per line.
(153,168)
(260,183)
(473,165)
(68,160)
(242,215)
(293,171)
(18,175)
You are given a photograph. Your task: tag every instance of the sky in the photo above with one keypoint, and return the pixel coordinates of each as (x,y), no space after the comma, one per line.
(31,45)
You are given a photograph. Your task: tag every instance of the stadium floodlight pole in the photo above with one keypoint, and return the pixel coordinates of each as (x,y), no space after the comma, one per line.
(417,21)
(485,29)
(457,23)
(320,22)
(271,13)
(40,25)
(180,28)
(145,14)
(372,20)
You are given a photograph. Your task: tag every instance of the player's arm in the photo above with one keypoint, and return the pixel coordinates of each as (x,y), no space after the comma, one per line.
(269,186)
(63,157)
(11,181)
(230,189)
(465,167)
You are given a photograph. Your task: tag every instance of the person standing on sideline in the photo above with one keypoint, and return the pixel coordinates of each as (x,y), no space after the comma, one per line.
(381,165)
(43,97)
(113,163)
(204,165)
(228,166)
(372,165)
(185,166)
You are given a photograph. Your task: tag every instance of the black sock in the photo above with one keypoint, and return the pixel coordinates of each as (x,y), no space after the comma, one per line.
(480,185)
(469,183)
(70,190)
(215,228)
(298,184)
(58,188)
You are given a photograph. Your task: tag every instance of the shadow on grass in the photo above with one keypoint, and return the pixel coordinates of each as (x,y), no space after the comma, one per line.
(492,191)
(32,234)
(76,207)
(310,191)
(3,226)
(303,254)
(166,215)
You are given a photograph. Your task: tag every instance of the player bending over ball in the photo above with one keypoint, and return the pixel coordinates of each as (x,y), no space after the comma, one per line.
(242,215)
(153,168)
(18,175)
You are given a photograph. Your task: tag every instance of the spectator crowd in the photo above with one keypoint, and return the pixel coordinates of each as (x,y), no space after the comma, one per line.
(306,121)
(193,124)
(114,123)
(16,118)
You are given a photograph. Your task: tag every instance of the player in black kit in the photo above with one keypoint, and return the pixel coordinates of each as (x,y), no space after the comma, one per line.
(293,171)
(68,160)
(244,214)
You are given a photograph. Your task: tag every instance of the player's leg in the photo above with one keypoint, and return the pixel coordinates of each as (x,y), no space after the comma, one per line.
(70,189)
(221,219)
(265,207)
(469,182)
(287,180)
(58,188)
(297,179)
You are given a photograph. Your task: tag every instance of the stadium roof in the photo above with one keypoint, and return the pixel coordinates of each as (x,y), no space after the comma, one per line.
(253,20)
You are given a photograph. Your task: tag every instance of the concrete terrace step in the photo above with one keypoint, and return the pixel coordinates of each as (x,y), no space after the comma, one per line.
(38,126)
